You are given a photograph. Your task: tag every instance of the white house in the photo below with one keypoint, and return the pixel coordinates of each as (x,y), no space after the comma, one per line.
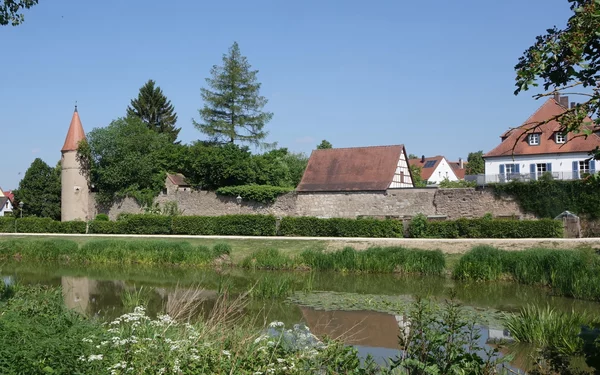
(436,168)
(6,205)
(528,152)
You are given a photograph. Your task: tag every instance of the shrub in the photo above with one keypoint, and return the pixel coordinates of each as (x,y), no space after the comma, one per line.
(337,227)
(7,224)
(105,227)
(486,228)
(102,217)
(47,225)
(145,224)
(418,226)
(258,193)
(242,225)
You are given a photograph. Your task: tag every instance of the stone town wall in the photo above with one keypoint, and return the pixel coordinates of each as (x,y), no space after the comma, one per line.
(452,203)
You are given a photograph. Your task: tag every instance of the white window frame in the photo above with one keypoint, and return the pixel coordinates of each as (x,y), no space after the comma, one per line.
(508,172)
(584,166)
(560,137)
(541,168)
(534,139)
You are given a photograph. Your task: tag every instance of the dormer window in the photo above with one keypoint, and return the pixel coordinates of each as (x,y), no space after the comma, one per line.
(560,137)
(534,139)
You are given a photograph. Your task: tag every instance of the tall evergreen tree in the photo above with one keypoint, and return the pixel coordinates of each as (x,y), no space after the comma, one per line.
(155,110)
(232,106)
(324,145)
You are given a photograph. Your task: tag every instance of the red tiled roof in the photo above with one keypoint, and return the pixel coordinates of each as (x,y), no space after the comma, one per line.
(178,179)
(351,169)
(9,194)
(517,137)
(459,172)
(420,162)
(75,134)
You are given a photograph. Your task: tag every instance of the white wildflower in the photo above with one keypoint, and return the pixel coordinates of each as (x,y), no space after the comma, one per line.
(95,357)
(276,324)
(227,353)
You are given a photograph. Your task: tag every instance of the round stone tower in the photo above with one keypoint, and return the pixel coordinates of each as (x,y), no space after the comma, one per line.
(75,193)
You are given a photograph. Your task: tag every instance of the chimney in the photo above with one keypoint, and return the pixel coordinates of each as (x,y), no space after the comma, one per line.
(460,163)
(557,97)
(423,159)
(573,104)
(564,101)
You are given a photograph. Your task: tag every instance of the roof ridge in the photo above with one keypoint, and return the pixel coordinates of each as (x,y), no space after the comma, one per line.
(355,147)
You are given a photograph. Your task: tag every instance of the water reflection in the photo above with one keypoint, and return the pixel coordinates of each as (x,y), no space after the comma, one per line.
(98,292)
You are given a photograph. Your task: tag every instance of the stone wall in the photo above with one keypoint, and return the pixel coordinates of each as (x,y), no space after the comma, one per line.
(452,203)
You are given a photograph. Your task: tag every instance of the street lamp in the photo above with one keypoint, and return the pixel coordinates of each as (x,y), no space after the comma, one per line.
(21,204)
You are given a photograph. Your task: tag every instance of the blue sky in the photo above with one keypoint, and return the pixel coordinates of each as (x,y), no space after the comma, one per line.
(437,76)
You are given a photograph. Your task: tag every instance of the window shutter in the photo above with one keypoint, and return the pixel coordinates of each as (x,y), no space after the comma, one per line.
(549,167)
(532,171)
(501,168)
(592,166)
(517,169)
(575,169)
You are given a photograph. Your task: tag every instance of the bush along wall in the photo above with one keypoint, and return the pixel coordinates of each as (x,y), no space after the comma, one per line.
(257,193)
(547,198)
(485,228)
(228,225)
(336,227)
(40,225)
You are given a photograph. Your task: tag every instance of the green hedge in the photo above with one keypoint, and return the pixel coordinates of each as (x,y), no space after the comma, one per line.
(7,224)
(488,228)
(40,225)
(145,224)
(257,193)
(336,227)
(105,227)
(241,225)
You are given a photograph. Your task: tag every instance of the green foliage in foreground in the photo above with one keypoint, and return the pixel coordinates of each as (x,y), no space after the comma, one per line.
(373,260)
(485,228)
(258,193)
(39,335)
(574,273)
(111,251)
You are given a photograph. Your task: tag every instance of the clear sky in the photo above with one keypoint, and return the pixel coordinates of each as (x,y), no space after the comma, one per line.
(437,76)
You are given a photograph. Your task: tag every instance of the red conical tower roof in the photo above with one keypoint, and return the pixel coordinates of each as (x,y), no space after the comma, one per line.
(75,134)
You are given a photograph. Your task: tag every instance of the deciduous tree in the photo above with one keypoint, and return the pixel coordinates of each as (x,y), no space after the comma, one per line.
(11,11)
(39,190)
(127,159)
(415,172)
(565,60)
(233,107)
(475,163)
(155,110)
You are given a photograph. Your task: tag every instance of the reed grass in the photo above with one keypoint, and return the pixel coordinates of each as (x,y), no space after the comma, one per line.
(375,260)
(267,259)
(571,273)
(136,297)
(546,327)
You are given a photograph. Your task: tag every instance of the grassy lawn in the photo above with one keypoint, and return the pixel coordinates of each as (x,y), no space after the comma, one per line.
(240,248)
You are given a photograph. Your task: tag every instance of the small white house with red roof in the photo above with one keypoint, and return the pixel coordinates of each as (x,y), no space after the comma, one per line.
(436,169)
(530,151)
(6,202)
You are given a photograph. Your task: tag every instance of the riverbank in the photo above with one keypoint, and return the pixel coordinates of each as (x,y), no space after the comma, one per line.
(297,244)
